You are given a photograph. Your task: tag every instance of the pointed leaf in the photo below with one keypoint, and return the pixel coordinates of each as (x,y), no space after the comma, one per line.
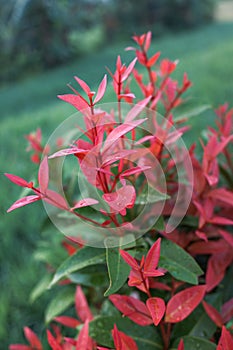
(227,236)
(53,342)
(123,341)
(75,100)
(85,203)
(195,343)
(133,308)
(157,307)
(227,311)
(129,260)
(226,340)
(152,257)
(17,180)
(213,314)
(43,175)
(59,303)
(216,268)
(101,89)
(56,199)
(84,257)
(81,306)
(19,347)
(135,170)
(67,321)
(83,85)
(23,201)
(84,341)
(147,41)
(68,151)
(153,59)
(137,109)
(32,339)
(181,345)
(128,70)
(183,303)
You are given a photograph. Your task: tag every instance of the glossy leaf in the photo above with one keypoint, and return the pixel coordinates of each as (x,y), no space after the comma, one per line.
(83,85)
(178,262)
(84,257)
(213,314)
(59,303)
(157,307)
(183,303)
(24,201)
(85,203)
(43,175)
(101,89)
(77,101)
(17,180)
(133,308)
(81,306)
(152,257)
(226,340)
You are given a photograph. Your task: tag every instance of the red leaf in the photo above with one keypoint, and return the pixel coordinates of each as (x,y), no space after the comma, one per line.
(123,341)
(81,306)
(183,303)
(121,130)
(17,180)
(121,199)
(153,59)
(101,89)
(225,341)
(128,70)
(83,85)
(32,338)
(129,260)
(75,100)
(181,345)
(132,171)
(147,41)
(19,347)
(85,203)
(157,307)
(222,194)
(56,200)
(216,267)
(152,258)
(137,109)
(213,314)
(227,311)
(227,236)
(67,321)
(133,308)
(53,341)
(84,342)
(43,175)
(23,201)
(68,151)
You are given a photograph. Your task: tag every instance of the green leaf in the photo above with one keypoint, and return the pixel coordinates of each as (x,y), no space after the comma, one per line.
(91,276)
(195,343)
(100,330)
(59,303)
(150,195)
(40,288)
(118,269)
(179,263)
(193,112)
(84,257)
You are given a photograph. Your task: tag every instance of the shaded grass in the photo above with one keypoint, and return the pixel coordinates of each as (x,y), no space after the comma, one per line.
(205,54)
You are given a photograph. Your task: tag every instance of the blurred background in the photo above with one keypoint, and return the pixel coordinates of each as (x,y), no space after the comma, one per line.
(43,44)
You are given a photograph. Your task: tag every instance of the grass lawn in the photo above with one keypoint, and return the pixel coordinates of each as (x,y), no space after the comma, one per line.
(205,54)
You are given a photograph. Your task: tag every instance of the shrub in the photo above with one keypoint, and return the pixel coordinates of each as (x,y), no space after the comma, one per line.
(139,207)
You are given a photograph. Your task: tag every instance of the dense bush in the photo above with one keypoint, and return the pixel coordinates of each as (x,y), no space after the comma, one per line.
(179,292)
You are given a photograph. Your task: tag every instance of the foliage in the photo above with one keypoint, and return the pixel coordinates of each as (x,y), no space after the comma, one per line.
(158,296)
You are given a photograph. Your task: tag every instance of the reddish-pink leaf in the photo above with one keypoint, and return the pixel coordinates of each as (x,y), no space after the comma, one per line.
(152,258)
(81,306)
(183,303)
(121,130)
(181,345)
(83,85)
(17,180)
(213,314)
(216,268)
(222,194)
(32,339)
(157,307)
(227,311)
(128,70)
(137,109)
(23,201)
(84,342)
(53,341)
(129,260)
(56,200)
(123,341)
(153,59)
(68,151)
(225,341)
(43,175)
(101,90)
(85,203)
(129,95)
(133,308)
(147,41)
(136,170)
(75,100)
(227,236)
(67,321)
(19,347)
(218,220)
(121,199)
